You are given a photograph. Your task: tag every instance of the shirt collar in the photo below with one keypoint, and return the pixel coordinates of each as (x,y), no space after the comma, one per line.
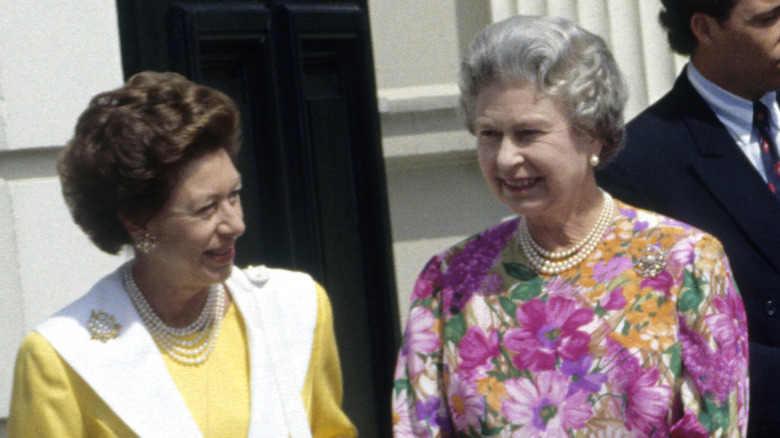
(733,111)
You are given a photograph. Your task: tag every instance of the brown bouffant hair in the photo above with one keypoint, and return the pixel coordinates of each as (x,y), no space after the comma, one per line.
(676,18)
(130,146)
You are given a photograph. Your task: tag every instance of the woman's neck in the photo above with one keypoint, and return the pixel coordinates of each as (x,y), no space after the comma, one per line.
(177,305)
(558,232)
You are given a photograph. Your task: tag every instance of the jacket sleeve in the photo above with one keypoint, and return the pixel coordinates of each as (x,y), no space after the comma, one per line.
(43,400)
(714,353)
(418,399)
(322,389)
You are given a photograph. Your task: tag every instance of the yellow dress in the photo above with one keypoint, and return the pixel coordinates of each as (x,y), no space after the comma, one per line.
(50,399)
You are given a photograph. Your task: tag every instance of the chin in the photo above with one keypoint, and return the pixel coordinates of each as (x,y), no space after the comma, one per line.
(218,275)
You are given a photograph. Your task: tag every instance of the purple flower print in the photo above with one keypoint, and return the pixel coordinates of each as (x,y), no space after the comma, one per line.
(711,372)
(467,406)
(544,408)
(548,331)
(612,268)
(466,270)
(419,339)
(476,350)
(581,378)
(423,287)
(427,409)
(628,212)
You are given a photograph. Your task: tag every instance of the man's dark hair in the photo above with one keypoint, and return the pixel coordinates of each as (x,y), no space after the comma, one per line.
(676,18)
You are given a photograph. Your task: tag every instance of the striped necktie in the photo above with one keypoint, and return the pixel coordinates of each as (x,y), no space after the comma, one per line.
(769,156)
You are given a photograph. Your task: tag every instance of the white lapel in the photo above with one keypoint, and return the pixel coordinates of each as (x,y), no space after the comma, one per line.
(127,372)
(280,311)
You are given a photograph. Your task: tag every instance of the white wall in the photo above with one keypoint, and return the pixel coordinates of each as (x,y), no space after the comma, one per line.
(54,55)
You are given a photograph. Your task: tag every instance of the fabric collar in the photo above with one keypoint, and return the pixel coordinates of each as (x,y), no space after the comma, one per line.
(128,371)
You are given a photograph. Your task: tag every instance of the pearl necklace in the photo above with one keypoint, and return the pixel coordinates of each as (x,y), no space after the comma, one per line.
(547,262)
(178,342)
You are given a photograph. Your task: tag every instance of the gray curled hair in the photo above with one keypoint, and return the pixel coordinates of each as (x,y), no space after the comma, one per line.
(562,59)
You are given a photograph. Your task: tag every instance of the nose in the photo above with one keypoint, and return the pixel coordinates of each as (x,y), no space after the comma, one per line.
(232,220)
(508,154)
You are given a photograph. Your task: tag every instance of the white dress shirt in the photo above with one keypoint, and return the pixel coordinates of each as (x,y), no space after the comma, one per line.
(736,114)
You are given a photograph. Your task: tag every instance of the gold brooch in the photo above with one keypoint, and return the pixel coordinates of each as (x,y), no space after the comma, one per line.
(103,326)
(651,263)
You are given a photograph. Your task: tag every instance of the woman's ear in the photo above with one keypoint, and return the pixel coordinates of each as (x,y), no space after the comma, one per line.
(132,228)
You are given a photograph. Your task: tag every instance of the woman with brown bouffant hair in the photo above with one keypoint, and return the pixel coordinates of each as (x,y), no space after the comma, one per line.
(177,341)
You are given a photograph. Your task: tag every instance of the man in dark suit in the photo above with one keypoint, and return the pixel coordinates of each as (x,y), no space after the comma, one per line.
(695,155)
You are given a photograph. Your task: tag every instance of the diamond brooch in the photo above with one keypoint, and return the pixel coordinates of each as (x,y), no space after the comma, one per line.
(651,263)
(103,326)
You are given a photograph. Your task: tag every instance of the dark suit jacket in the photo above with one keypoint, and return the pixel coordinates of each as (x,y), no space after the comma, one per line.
(680,161)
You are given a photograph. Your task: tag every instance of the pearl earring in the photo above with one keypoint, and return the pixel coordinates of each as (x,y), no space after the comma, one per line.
(594,160)
(146,243)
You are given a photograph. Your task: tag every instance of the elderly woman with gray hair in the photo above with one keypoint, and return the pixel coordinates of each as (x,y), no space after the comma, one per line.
(582,316)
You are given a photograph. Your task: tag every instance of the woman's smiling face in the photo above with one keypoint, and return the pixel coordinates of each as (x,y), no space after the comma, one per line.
(532,158)
(197,228)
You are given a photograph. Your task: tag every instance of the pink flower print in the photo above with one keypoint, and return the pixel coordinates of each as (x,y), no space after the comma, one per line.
(662,282)
(544,408)
(419,339)
(730,331)
(581,377)
(466,404)
(423,287)
(615,300)
(680,256)
(402,421)
(646,402)
(689,427)
(476,350)
(559,286)
(548,331)
(603,272)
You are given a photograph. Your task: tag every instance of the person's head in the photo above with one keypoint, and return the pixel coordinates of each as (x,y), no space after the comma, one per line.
(733,43)
(563,60)
(676,19)
(543,97)
(135,151)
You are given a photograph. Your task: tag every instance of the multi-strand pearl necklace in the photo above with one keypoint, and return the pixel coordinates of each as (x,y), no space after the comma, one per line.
(547,262)
(179,343)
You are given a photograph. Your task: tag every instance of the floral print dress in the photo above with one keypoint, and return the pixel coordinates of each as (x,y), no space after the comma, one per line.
(646,337)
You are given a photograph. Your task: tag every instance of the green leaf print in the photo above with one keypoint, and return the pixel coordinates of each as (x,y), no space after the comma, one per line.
(519,271)
(455,329)
(489,431)
(508,305)
(527,290)
(401,384)
(692,296)
(714,416)
(675,363)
